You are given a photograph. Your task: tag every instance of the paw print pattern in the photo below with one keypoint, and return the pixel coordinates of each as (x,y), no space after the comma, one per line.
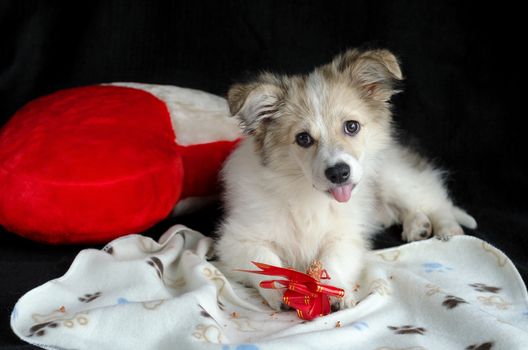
(360,325)
(380,287)
(481,287)
(432,290)
(407,329)
(483,346)
(89,297)
(157,265)
(122,301)
(496,301)
(40,328)
(451,302)
(436,267)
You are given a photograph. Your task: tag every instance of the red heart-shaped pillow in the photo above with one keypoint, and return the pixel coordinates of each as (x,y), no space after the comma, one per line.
(90,164)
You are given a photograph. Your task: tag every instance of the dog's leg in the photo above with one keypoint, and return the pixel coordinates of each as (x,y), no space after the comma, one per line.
(237,254)
(445,224)
(431,214)
(416,226)
(343,259)
(429,210)
(419,200)
(272,296)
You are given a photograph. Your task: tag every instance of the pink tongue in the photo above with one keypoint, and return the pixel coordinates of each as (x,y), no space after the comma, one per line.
(342,193)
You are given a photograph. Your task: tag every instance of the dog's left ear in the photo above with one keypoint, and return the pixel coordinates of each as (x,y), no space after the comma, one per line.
(253,103)
(376,72)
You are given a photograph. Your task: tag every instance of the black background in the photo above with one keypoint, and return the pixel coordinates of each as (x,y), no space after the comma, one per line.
(464,97)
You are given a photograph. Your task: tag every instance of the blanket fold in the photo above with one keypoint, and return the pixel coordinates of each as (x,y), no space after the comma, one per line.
(137,293)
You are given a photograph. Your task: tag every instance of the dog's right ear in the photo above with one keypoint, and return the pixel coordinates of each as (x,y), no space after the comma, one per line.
(253,103)
(376,72)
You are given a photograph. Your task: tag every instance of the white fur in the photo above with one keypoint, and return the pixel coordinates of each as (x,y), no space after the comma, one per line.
(292,223)
(287,224)
(279,210)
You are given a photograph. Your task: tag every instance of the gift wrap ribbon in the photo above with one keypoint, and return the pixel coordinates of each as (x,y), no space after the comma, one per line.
(304,293)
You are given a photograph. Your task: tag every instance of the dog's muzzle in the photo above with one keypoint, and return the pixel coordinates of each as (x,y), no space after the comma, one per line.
(338,173)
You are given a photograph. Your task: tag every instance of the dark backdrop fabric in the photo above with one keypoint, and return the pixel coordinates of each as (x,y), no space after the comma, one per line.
(463,103)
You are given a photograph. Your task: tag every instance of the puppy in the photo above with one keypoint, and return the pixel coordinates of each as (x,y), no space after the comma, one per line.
(320,172)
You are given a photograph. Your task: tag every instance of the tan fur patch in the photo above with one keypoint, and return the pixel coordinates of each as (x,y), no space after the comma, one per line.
(354,86)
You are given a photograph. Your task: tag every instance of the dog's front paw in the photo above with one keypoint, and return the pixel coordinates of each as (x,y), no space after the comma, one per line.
(347,301)
(416,227)
(273,298)
(446,231)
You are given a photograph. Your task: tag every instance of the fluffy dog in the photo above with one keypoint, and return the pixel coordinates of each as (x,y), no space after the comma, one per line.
(320,172)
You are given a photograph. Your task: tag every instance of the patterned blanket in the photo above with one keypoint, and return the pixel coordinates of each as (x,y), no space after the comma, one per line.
(137,293)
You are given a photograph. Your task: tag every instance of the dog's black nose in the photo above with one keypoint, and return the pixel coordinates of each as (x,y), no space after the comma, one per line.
(338,173)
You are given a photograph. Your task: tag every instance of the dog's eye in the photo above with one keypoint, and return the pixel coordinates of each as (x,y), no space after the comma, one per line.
(352,127)
(304,139)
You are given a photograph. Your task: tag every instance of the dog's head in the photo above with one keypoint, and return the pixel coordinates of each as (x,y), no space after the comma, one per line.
(323,126)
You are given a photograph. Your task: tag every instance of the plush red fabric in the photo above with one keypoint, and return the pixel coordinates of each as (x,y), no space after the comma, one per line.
(202,163)
(87,165)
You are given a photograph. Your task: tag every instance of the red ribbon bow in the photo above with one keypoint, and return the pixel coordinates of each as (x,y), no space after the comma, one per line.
(304,293)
